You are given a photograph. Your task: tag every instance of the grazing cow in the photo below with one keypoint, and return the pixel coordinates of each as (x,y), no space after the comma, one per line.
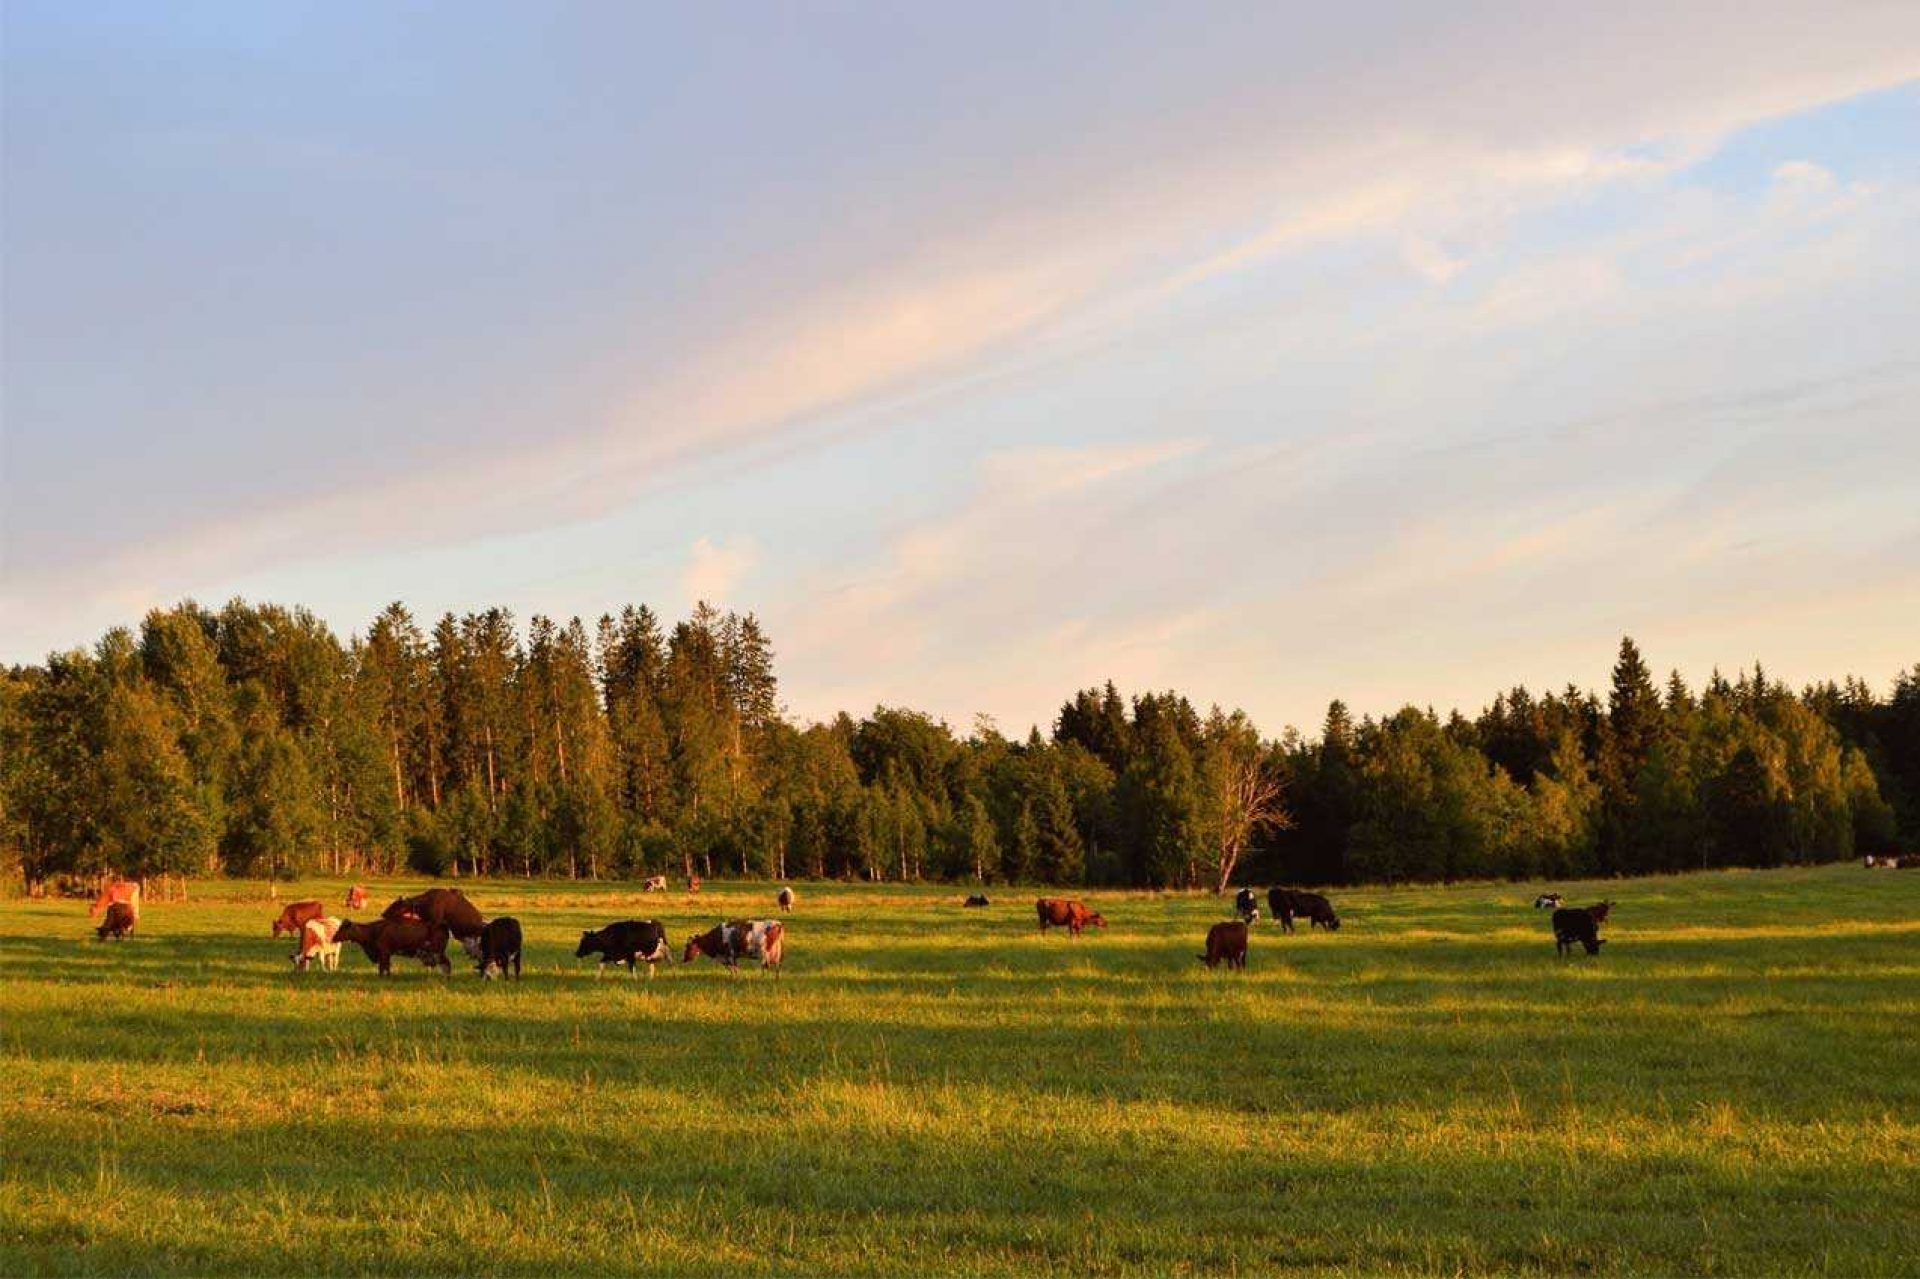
(119,921)
(655,884)
(1576,925)
(785,898)
(499,947)
(319,940)
(357,897)
(693,883)
(294,918)
(628,942)
(1547,901)
(1246,906)
(389,936)
(447,907)
(1289,903)
(1227,940)
(1063,912)
(762,939)
(124,891)
(978,899)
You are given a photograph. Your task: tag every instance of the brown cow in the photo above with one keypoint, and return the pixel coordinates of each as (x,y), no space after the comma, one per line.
(357,897)
(124,891)
(1062,912)
(118,923)
(295,917)
(385,938)
(447,907)
(1227,940)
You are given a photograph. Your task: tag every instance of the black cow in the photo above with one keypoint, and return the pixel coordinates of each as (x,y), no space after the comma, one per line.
(978,899)
(1570,926)
(1315,909)
(628,942)
(1246,905)
(499,947)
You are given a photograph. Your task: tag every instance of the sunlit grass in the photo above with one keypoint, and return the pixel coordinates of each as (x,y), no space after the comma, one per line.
(1729,1087)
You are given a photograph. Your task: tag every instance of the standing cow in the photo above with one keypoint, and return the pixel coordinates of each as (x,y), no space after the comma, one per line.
(385,938)
(1582,925)
(446,907)
(1227,941)
(1064,912)
(1246,906)
(498,947)
(629,942)
(762,939)
(1289,903)
(118,922)
(294,918)
(785,898)
(318,941)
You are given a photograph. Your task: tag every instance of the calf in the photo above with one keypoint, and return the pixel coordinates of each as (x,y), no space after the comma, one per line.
(447,907)
(1577,925)
(119,922)
(655,884)
(499,947)
(762,939)
(384,938)
(1228,941)
(1063,912)
(628,942)
(1547,901)
(319,939)
(785,898)
(1245,906)
(294,918)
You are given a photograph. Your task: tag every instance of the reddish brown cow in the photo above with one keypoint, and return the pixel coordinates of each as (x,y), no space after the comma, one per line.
(357,897)
(1228,941)
(124,891)
(119,921)
(1062,912)
(447,907)
(385,938)
(295,917)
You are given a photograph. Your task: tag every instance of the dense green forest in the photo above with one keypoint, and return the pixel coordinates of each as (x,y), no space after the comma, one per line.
(252,741)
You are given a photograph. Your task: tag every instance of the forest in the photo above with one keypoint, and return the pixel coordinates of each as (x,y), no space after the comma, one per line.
(251,741)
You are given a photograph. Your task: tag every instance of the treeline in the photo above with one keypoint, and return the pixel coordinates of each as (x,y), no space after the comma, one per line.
(252,741)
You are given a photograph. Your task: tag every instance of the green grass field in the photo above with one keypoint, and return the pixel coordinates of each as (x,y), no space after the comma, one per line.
(1731,1087)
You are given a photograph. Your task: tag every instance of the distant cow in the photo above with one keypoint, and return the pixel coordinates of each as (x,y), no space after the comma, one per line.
(385,938)
(447,907)
(357,897)
(1063,912)
(319,940)
(629,942)
(1547,901)
(1227,940)
(1246,905)
(693,883)
(785,898)
(762,939)
(499,947)
(119,921)
(1290,903)
(978,899)
(1577,925)
(294,918)
(124,891)
(655,884)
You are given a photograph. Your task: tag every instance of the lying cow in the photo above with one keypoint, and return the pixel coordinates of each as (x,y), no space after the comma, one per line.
(1064,912)
(447,907)
(655,884)
(1246,906)
(762,939)
(319,940)
(385,938)
(1227,941)
(498,947)
(118,923)
(294,918)
(978,899)
(785,898)
(1577,925)
(1547,901)
(629,942)
(1290,903)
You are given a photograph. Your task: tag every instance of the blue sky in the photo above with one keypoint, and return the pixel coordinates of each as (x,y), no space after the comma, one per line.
(1270,352)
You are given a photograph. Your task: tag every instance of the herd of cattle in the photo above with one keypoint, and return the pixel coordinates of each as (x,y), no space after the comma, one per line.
(419,927)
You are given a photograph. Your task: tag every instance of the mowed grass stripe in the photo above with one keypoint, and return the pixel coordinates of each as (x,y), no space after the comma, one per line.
(1728,1088)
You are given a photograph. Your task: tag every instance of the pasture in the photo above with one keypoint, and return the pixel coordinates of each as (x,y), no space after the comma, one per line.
(1730,1087)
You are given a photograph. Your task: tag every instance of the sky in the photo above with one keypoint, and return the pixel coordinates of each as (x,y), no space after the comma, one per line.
(1273,352)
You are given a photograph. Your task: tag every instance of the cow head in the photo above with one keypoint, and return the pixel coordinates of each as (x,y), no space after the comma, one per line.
(693,948)
(1593,944)
(1333,922)
(1095,920)
(586,946)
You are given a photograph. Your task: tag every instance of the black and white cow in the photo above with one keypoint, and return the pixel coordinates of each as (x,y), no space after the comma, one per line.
(629,942)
